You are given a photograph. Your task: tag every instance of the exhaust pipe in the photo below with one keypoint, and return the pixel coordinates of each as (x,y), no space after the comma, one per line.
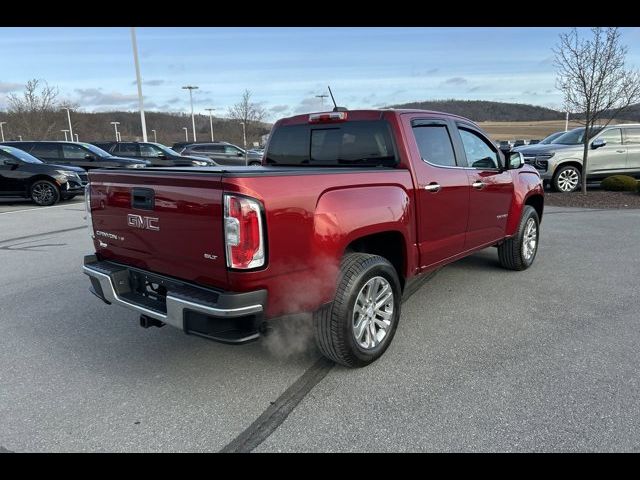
(146,322)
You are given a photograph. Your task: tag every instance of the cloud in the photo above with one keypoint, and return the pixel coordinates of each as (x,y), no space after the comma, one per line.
(279,108)
(477,88)
(424,73)
(6,87)
(457,81)
(307,105)
(96,97)
(173,100)
(150,83)
(368,99)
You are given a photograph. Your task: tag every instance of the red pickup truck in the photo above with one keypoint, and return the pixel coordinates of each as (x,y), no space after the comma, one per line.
(347,212)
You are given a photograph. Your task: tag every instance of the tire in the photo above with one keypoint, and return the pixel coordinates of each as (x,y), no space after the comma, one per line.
(44,193)
(517,252)
(567,179)
(255,164)
(335,324)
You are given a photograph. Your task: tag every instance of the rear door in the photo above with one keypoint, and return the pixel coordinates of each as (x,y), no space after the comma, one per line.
(48,152)
(442,190)
(491,189)
(631,141)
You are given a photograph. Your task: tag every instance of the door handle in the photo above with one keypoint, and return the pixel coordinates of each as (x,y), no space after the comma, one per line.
(620,151)
(432,187)
(478,185)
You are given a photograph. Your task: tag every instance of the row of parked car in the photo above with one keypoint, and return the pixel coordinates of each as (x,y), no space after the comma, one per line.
(48,172)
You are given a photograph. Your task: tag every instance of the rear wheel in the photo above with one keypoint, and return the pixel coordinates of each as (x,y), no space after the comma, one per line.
(45,193)
(519,251)
(255,164)
(358,326)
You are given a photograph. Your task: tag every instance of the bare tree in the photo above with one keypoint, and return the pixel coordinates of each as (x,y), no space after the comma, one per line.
(594,80)
(252,114)
(34,110)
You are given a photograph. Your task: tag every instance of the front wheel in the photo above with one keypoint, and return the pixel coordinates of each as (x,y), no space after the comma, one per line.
(45,193)
(567,179)
(519,251)
(357,327)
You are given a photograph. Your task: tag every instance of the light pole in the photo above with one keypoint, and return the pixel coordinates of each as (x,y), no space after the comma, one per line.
(191,88)
(2,130)
(186,134)
(69,118)
(155,138)
(115,126)
(244,141)
(76,137)
(210,121)
(139,81)
(566,122)
(322,97)
(66,139)
(20,137)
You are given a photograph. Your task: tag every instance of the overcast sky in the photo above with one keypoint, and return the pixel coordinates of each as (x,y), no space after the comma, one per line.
(286,67)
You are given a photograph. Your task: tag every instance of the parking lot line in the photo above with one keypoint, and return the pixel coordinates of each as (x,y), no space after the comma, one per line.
(36,208)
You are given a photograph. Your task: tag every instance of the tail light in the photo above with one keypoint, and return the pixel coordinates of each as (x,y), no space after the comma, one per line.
(87,204)
(243,232)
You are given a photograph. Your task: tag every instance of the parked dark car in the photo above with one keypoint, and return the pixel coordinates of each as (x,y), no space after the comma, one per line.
(156,154)
(23,175)
(179,146)
(224,153)
(77,154)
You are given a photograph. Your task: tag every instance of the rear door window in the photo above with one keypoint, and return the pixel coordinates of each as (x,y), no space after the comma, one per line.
(46,150)
(357,143)
(632,135)
(434,143)
(128,149)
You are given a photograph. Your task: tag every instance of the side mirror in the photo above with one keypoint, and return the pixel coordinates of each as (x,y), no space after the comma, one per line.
(240,154)
(161,155)
(598,142)
(516,160)
(91,158)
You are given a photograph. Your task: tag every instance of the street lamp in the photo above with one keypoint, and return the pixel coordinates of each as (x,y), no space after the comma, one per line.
(186,133)
(76,137)
(244,141)
(155,138)
(20,137)
(210,121)
(2,130)
(115,126)
(191,88)
(66,139)
(139,82)
(322,97)
(69,118)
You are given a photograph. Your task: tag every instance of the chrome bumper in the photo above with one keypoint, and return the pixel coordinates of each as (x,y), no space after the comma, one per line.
(177,307)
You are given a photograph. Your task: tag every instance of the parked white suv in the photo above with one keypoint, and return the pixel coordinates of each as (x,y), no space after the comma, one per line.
(612,150)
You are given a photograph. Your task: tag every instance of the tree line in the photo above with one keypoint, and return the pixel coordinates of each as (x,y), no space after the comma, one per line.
(38,114)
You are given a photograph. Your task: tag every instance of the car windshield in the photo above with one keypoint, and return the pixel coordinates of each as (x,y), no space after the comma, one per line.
(574,137)
(96,150)
(21,154)
(165,149)
(551,137)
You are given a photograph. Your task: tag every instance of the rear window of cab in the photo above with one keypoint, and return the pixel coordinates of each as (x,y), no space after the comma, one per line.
(356,143)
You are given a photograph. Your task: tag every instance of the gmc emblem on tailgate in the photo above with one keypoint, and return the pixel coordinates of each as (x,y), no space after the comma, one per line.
(146,223)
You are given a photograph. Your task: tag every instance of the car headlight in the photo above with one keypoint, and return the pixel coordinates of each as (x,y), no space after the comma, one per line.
(200,163)
(137,165)
(65,176)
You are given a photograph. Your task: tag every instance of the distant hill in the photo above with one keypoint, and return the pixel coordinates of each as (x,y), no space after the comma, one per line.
(483,111)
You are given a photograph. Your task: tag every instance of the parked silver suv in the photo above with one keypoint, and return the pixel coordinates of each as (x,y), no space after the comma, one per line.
(612,150)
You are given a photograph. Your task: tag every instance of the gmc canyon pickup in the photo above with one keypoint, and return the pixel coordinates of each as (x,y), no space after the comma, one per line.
(348,211)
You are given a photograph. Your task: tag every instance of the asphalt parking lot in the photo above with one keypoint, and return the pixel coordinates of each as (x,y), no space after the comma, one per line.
(484,359)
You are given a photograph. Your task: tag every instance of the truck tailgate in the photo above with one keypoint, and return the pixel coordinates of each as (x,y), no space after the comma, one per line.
(167,224)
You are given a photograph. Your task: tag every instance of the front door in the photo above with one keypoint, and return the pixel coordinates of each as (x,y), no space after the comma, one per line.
(442,190)
(10,181)
(609,159)
(491,188)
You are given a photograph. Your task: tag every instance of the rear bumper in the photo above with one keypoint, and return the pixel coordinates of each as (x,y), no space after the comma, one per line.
(222,316)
